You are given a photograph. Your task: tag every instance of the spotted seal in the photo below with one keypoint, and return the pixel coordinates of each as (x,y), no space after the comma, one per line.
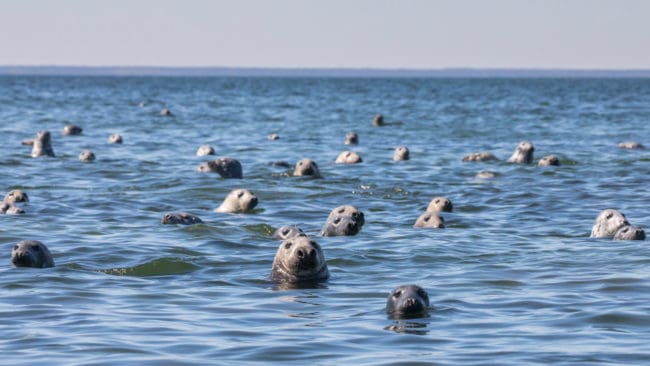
(407,301)
(523,153)
(430,220)
(16,195)
(225,167)
(238,201)
(631,145)
(629,232)
(607,223)
(299,259)
(550,160)
(71,130)
(340,226)
(440,204)
(115,139)
(182,218)
(87,156)
(480,156)
(348,210)
(31,253)
(348,157)
(287,232)
(42,145)
(205,150)
(306,167)
(401,153)
(351,138)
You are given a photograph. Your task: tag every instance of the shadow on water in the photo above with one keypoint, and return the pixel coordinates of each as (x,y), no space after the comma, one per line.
(157,267)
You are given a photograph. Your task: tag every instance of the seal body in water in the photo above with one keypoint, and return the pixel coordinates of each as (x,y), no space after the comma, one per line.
(16,195)
(306,167)
(523,153)
(87,156)
(430,220)
(182,218)
(607,223)
(631,145)
(287,232)
(351,138)
(71,130)
(42,145)
(440,204)
(166,112)
(299,259)
(480,156)
(348,157)
(238,201)
(225,167)
(629,232)
(407,301)
(115,139)
(401,153)
(273,137)
(204,150)
(31,253)
(348,210)
(10,209)
(340,226)
(550,160)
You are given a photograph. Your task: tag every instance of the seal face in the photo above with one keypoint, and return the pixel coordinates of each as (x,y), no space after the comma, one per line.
(550,160)
(299,259)
(348,157)
(42,145)
(440,204)
(166,112)
(288,232)
(205,150)
(71,130)
(16,195)
(607,223)
(273,137)
(401,153)
(87,156)
(480,156)
(306,167)
(378,120)
(430,220)
(238,201)
(182,218)
(407,301)
(351,138)
(629,232)
(115,139)
(523,153)
(31,253)
(348,210)
(631,145)
(340,226)
(225,167)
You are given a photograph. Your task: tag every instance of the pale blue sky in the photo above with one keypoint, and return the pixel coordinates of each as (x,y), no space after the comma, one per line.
(591,34)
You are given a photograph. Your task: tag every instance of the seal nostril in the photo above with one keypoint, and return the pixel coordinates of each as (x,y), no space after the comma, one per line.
(300,253)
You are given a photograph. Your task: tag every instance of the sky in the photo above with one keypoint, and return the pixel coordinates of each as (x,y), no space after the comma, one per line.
(404,34)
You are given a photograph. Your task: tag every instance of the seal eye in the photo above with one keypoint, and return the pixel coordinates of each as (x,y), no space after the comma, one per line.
(397,293)
(341,210)
(240,194)
(337,220)
(427,218)
(285,231)
(16,247)
(36,248)
(609,215)
(287,245)
(421,292)
(300,163)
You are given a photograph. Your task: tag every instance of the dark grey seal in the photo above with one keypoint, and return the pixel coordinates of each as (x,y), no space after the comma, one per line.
(115,139)
(340,226)
(166,112)
(31,253)
(401,153)
(378,120)
(348,157)
(288,232)
(607,223)
(348,210)
(205,150)
(407,301)
(631,145)
(71,130)
(430,220)
(299,259)
(550,160)
(225,167)
(523,153)
(42,145)
(16,195)
(87,156)
(182,218)
(441,204)
(238,201)
(306,167)
(629,232)
(480,156)
(351,138)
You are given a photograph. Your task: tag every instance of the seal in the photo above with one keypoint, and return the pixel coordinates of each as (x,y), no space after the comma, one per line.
(351,138)
(273,137)
(238,201)
(31,253)
(306,167)
(631,145)
(348,157)
(182,218)
(166,112)
(87,156)
(115,139)
(348,210)
(288,232)
(629,232)
(430,220)
(607,223)
(480,156)
(485,174)
(523,153)
(440,204)
(378,120)
(42,145)
(340,226)
(71,130)
(407,301)
(299,259)
(205,150)
(10,209)
(401,153)
(550,160)
(225,167)
(16,195)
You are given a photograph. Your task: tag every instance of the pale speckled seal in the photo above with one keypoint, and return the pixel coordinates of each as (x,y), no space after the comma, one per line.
(31,253)
(287,232)
(485,174)
(238,201)
(631,145)
(166,112)
(7,208)
(299,259)
(378,120)
(523,153)
(225,167)
(16,195)
(42,145)
(351,138)
(182,218)
(407,301)
(629,232)
(71,130)
(340,226)
(273,137)
(87,156)
(115,139)
(480,156)
(348,157)
(607,223)
(306,167)
(401,153)
(550,160)
(441,204)
(430,220)
(205,150)
(348,210)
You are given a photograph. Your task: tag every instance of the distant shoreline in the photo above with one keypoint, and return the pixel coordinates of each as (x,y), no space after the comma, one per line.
(152,71)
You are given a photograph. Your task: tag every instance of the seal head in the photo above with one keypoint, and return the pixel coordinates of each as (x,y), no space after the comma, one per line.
(407,301)
(440,204)
(607,223)
(16,195)
(306,167)
(238,201)
(31,253)
(288,232)
(340,226)
(299,259)
(629,232)
(523,153)
(182,218)
(42,145)
(430,220)
(348,210)
(401,153)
